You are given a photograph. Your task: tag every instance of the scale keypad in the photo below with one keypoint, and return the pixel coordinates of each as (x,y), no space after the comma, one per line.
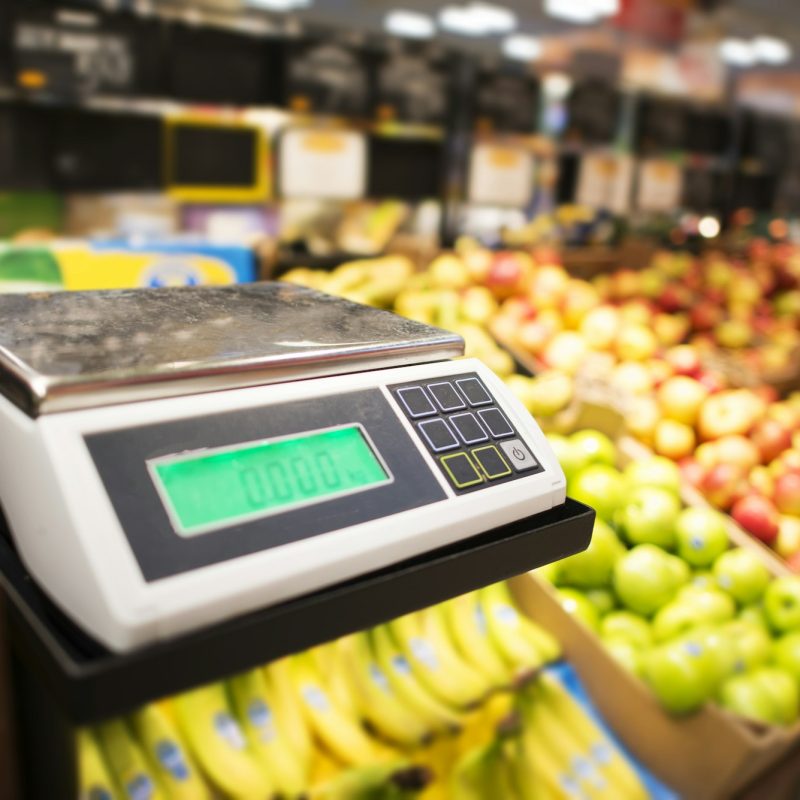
(470,438)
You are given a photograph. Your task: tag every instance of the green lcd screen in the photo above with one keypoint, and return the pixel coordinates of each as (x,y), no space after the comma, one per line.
(221,487)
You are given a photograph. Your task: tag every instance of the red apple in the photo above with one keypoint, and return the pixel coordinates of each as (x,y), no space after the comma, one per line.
(692,470)
(684,359)
(723,485)
(675,297)
(758,516)
(704,316)
(713,381)
(508,273)
(787,493)
(771,438)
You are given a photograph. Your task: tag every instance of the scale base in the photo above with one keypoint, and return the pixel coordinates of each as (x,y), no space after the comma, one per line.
(63,679)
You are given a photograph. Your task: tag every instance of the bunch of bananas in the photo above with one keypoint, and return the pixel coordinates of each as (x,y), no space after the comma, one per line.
(548,749)
(408,709)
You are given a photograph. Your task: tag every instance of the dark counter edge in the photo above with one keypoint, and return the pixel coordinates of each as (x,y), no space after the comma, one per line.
(92,684)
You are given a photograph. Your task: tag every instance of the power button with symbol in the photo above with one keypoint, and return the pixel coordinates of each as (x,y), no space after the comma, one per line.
(518,455)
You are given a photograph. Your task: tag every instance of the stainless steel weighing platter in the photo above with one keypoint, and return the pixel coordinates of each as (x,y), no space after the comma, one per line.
(70,350)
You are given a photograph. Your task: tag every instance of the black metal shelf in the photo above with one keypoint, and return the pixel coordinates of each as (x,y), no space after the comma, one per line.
(91,683)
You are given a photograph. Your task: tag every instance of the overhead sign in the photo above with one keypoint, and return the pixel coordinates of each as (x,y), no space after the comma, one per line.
(409,87)
(316,163)
(507,103)
(660,186)
(500,175)
(605,181)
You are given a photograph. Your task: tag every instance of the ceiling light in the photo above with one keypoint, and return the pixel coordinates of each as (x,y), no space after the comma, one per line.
(279,5)
(477,19)
(772,50)
(521,47)
(708,227)
(606,8)
(557,85)
(410,24)
(577,11)
(737,52)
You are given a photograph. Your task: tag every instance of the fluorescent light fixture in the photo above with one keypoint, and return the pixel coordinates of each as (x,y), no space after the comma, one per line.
(521,47)
(737,52)
(576,11)
(280,6)
(771,50)
(708,227)
(410,24)
(606,8)
(477,19)
(557,85)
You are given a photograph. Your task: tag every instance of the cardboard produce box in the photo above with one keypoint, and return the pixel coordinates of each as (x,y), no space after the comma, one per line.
(707,755)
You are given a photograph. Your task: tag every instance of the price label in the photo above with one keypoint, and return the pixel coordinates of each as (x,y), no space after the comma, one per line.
(500,175)
(660,185)
(604,182)
(323,164)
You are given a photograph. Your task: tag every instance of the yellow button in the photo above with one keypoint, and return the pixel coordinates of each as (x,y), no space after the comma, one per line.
(462,470)
(491,462)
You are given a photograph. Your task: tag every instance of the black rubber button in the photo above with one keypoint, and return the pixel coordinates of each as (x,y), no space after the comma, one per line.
(495,422)
(438,435)
(474,391)
(416,402)
(446,397)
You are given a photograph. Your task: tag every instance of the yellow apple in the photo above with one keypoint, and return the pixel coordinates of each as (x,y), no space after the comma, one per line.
(600,327)
(673,439)
(635,342)
(681,397)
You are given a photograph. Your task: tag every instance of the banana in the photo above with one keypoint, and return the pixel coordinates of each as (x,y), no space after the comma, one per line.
(256,714)
(218,744)
(403,681)
(338,678)
(482,773)
(535,772)
(549,728)
(94,780)
(424,639)
(438,757)
(523,644)
(342,735)
(377,701)
(602,750)
(127,762)
(467,626)
(392,781)
(167,754)
(289,711)
(324,767)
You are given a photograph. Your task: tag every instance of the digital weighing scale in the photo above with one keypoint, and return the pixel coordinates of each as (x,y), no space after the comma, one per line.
(175,458)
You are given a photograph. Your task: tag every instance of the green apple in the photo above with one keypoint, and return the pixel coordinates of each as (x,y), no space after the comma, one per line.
(679,569)
(602,599)
(701,536)
(691,609)
(746,697)
(742,575)
(644,579)
(594,447)
(702,579)
(752,643)
(625,653)
(601,487)
(782,604)
(648,517)
(781,687)
(786,653)
(628,626)
(754,613)
(576,605)
(678,675)
(719,652)
(658,471)
(569,456)
(593,567)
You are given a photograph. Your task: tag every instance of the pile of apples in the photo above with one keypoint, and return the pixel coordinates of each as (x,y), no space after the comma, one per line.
(672,601)
(739,447)
(749,305)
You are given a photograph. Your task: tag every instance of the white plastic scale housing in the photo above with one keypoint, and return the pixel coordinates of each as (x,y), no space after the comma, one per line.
(81,365)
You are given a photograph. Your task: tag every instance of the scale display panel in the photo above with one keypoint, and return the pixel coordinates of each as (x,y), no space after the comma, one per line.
(231,461)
